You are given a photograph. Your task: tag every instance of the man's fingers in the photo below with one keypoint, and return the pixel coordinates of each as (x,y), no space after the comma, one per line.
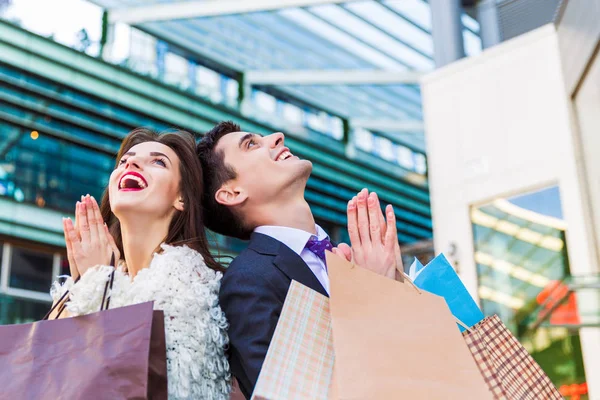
(353,223)
(363,218)
(344,251)
(382,222)
(399,263)
(391,234)
(374,209)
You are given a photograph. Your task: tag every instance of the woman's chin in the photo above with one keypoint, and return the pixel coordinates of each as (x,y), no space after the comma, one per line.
(126,206)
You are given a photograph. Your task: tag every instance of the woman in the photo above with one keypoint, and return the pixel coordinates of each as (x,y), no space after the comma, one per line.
(152,210)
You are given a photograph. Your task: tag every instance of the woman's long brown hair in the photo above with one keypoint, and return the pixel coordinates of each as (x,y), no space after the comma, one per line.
(187,226)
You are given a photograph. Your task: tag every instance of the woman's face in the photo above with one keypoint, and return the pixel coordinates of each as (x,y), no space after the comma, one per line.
(146,182)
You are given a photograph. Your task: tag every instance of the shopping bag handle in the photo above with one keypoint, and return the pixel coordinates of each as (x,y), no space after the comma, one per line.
(59,302)
(109,283)
(407,279)
(105,301)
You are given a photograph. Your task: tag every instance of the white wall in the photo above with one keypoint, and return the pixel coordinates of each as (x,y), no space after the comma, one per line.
(578,36)
(587,115)
(501,124)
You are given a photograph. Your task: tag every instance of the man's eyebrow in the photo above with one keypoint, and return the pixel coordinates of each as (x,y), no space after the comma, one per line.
(244,138)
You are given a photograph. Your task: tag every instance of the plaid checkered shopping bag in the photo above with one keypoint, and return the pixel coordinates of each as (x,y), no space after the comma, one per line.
(299,363)
(508,369)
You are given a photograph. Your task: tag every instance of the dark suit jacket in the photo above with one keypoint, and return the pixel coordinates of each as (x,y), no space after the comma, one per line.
(252,294)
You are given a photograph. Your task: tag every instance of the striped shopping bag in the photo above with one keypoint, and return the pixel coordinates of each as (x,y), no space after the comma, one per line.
(508,369)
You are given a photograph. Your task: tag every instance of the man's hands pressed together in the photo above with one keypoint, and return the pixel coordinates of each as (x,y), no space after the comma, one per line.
(373,236)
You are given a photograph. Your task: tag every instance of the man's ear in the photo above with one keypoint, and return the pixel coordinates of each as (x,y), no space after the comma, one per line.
(230,196)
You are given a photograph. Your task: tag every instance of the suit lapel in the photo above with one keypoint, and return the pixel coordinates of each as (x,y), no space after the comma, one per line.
(290,263)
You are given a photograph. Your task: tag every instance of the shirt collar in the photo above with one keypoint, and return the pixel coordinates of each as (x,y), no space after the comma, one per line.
(293,238)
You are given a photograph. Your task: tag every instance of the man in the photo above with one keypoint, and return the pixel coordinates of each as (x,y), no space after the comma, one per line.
(254,189)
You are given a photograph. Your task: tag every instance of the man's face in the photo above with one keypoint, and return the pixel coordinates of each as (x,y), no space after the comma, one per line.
(266,170)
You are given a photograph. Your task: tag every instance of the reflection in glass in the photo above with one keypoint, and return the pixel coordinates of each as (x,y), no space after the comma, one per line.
(21,311)
(49,172)
(30,270)
(521,256)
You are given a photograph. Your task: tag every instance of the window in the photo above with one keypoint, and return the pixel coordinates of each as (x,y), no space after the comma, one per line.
(364,140)
(420,163)
(176,70)
(384,148)
(264,102)
(49,172)
(1,257)
(208,83)
(142,52)
(30,269)
(293,114)
(405,158)
(21,311)
(521,258)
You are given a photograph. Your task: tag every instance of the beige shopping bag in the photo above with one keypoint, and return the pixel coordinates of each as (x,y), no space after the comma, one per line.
(393,341)
(385,339)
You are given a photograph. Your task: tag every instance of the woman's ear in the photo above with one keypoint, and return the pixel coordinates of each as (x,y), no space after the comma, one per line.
(179,205)
(230,196)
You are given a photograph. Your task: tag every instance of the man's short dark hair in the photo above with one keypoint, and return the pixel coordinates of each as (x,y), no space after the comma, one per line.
(217,217)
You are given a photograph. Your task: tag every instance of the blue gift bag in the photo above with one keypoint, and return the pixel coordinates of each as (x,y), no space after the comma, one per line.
(415,268)
(438,277)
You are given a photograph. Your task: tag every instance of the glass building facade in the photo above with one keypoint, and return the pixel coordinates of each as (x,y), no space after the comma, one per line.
(521,257)
(63,115)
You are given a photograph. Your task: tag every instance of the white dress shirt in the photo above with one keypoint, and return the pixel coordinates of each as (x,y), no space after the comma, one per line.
(296,240)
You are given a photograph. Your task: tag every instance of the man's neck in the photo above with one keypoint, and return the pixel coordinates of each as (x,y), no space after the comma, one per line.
(291,214)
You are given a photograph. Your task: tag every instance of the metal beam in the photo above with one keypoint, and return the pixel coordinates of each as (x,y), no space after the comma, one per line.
(387,125)
(447,31)
(332,77)
(204,8)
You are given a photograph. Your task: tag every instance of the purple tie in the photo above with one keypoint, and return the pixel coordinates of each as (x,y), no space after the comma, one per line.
(318,247)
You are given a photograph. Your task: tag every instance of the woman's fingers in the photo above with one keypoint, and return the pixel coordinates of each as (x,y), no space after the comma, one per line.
(74,243)
(69,245)
(77,205)
(84,226)
(99,222)
(91,220)
(112,244)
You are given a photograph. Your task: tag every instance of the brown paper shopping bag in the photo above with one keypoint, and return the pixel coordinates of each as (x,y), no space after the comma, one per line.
(393,341)
(114,354)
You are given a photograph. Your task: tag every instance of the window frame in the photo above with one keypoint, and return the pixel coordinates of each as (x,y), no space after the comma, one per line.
(26,294)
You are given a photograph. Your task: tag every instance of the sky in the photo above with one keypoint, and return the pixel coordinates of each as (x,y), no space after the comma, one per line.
(61,18)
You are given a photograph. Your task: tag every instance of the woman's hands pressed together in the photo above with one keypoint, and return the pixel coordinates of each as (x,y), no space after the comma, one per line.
(88,241)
